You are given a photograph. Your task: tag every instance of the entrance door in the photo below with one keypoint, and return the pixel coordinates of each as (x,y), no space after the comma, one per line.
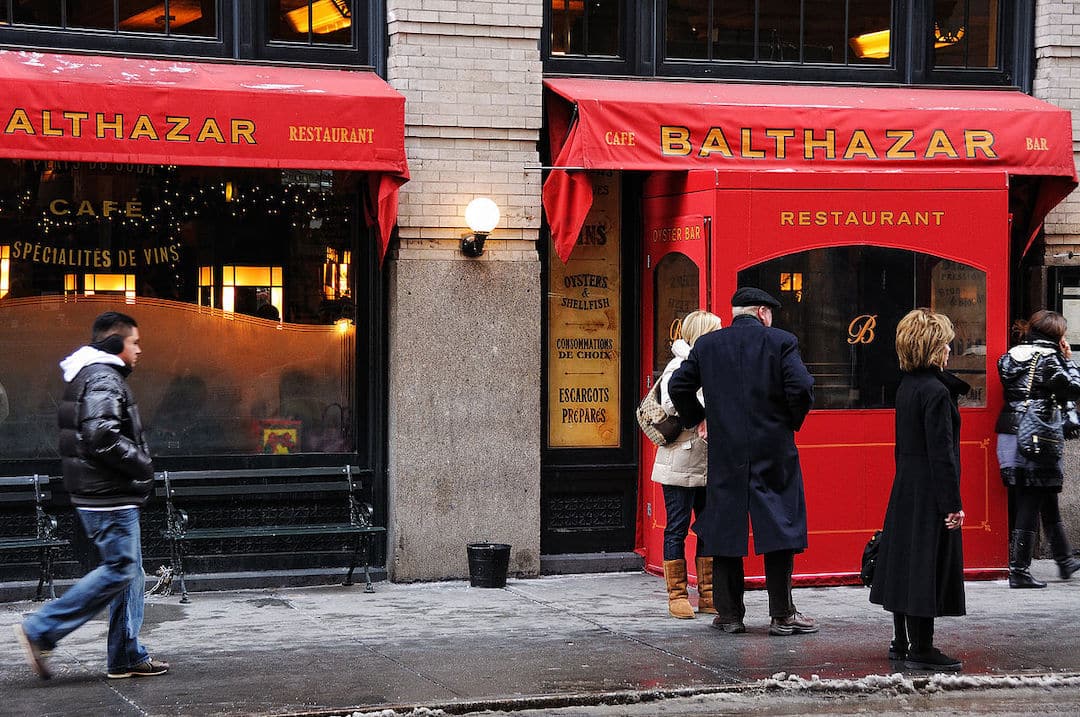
(675,282)
(848,255)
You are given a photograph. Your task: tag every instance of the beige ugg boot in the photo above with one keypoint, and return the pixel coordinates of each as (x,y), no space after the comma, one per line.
(675,576)
(704,584)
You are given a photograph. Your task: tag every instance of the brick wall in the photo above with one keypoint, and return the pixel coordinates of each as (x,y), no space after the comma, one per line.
(471,75)
(1057,80)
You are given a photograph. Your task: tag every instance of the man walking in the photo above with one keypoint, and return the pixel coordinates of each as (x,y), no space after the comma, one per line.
(109,476)
(757,392)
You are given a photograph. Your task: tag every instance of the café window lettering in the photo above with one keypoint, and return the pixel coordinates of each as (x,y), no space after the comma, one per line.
(846,309)
(242,282)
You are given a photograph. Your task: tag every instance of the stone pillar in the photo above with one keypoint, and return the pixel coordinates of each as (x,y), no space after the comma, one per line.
(1057,80)
(464,337)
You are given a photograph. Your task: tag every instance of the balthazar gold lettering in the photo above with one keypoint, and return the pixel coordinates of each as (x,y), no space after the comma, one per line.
(118,126)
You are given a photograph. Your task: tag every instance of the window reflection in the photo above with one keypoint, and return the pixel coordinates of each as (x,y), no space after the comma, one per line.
(312,21)
(676,292)
(241,332)
(847,307)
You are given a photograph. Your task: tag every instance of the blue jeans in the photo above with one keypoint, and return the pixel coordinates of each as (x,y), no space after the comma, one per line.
(679,501)
(117,582)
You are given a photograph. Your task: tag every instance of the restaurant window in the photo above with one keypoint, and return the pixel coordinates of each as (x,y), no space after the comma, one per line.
(843,303)
(245,351)
(312,21)
(967,34)
(676,287)
(813,31)
(193,18)
(586,28)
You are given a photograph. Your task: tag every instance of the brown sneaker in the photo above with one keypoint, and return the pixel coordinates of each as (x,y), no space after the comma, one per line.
(148,668)
(35,656)
(794,624)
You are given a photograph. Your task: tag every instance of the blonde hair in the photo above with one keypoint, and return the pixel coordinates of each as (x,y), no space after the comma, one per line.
(698,323)
(921,338)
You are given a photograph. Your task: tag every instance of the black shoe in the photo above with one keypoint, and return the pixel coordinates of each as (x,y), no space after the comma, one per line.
(932,659)
(732,628)
(1067,566)
(148,668)
(794,624)
(34,653)
(897,652)
(1023,579)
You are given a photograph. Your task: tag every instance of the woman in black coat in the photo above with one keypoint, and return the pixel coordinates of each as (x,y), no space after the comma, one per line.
(920,566)
(1038,371)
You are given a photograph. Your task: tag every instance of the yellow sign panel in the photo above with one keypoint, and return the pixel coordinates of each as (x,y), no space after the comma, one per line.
(584,329)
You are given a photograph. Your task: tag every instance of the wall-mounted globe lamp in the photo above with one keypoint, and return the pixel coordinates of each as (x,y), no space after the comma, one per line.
(481,215)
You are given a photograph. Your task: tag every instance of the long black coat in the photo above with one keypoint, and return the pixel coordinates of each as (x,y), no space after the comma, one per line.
(757,393)
(920,566)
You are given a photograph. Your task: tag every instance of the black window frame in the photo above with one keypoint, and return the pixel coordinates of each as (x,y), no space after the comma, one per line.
(242,35)
(911,62)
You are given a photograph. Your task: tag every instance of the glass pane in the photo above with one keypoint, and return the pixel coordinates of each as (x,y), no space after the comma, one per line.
(99,15)
(966,33)
(687,29)
(162,244)
(604,27)
(193,18)
(778,31)
(676,293)
(140,15)
(37,12)
(566,16)
(844,307)
(733,30)
(328,21)
(870,32)
(4,19)
(824,39)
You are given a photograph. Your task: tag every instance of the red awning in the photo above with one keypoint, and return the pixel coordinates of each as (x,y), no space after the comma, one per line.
(112,109)
(656,125)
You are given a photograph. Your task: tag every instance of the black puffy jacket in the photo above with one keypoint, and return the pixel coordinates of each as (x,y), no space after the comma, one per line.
(1057,381)
(105,458)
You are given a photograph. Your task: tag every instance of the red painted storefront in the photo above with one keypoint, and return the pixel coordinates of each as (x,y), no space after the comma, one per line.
(853,206)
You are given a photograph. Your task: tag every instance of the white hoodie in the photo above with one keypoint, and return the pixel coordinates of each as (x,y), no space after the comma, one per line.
(84,357)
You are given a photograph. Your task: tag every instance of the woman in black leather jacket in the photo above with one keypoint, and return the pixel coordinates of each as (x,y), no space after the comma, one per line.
(1034,487)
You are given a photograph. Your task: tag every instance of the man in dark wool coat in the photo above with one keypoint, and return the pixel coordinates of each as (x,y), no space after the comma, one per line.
(757,392)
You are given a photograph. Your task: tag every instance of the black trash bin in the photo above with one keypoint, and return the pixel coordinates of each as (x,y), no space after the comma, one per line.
(488,563)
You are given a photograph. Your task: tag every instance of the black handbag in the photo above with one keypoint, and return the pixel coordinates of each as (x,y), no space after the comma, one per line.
(869,558)
(1039,440)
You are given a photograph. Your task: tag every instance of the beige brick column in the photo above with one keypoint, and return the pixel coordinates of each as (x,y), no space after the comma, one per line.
(1057,80)
(464,343)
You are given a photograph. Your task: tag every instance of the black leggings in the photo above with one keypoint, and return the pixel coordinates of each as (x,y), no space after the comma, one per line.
(1030,503)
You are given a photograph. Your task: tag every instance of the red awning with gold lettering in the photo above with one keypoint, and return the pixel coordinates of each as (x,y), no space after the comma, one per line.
(657,125)
(113,109)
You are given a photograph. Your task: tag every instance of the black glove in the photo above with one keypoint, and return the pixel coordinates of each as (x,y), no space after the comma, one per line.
(1072,420)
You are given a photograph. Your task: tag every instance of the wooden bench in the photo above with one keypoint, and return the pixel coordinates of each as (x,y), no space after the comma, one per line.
(26,491)
(177,486)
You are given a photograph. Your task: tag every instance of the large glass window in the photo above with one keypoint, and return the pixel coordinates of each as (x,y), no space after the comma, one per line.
(247,347)
(844,303)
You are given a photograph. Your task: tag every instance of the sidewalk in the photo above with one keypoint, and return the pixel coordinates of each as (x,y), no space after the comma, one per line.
(334,650)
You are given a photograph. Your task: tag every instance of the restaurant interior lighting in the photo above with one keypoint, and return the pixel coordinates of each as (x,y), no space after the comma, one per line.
(181,12)
(875,45)
(482,215)
(326,16)
(5,270)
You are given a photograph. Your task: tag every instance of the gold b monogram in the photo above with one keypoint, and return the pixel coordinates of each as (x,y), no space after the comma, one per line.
(861,329)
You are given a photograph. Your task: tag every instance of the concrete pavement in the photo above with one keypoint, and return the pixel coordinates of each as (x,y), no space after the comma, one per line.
(335,650)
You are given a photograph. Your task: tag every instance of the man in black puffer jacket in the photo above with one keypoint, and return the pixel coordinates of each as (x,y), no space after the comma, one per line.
(109,476)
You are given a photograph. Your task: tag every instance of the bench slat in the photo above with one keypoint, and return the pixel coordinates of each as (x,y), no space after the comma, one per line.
(258,473)
(208,490)
(16,543)
(10,496)
(270,531)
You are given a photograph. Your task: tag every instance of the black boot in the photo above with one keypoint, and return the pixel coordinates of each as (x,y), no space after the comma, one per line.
(923,655)
(1059,548)
(1021,547)
(898,648)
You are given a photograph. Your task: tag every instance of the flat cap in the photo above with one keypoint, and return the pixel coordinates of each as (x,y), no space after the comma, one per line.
(750,296)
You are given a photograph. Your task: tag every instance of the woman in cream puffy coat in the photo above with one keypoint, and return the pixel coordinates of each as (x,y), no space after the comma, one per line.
(680,468)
